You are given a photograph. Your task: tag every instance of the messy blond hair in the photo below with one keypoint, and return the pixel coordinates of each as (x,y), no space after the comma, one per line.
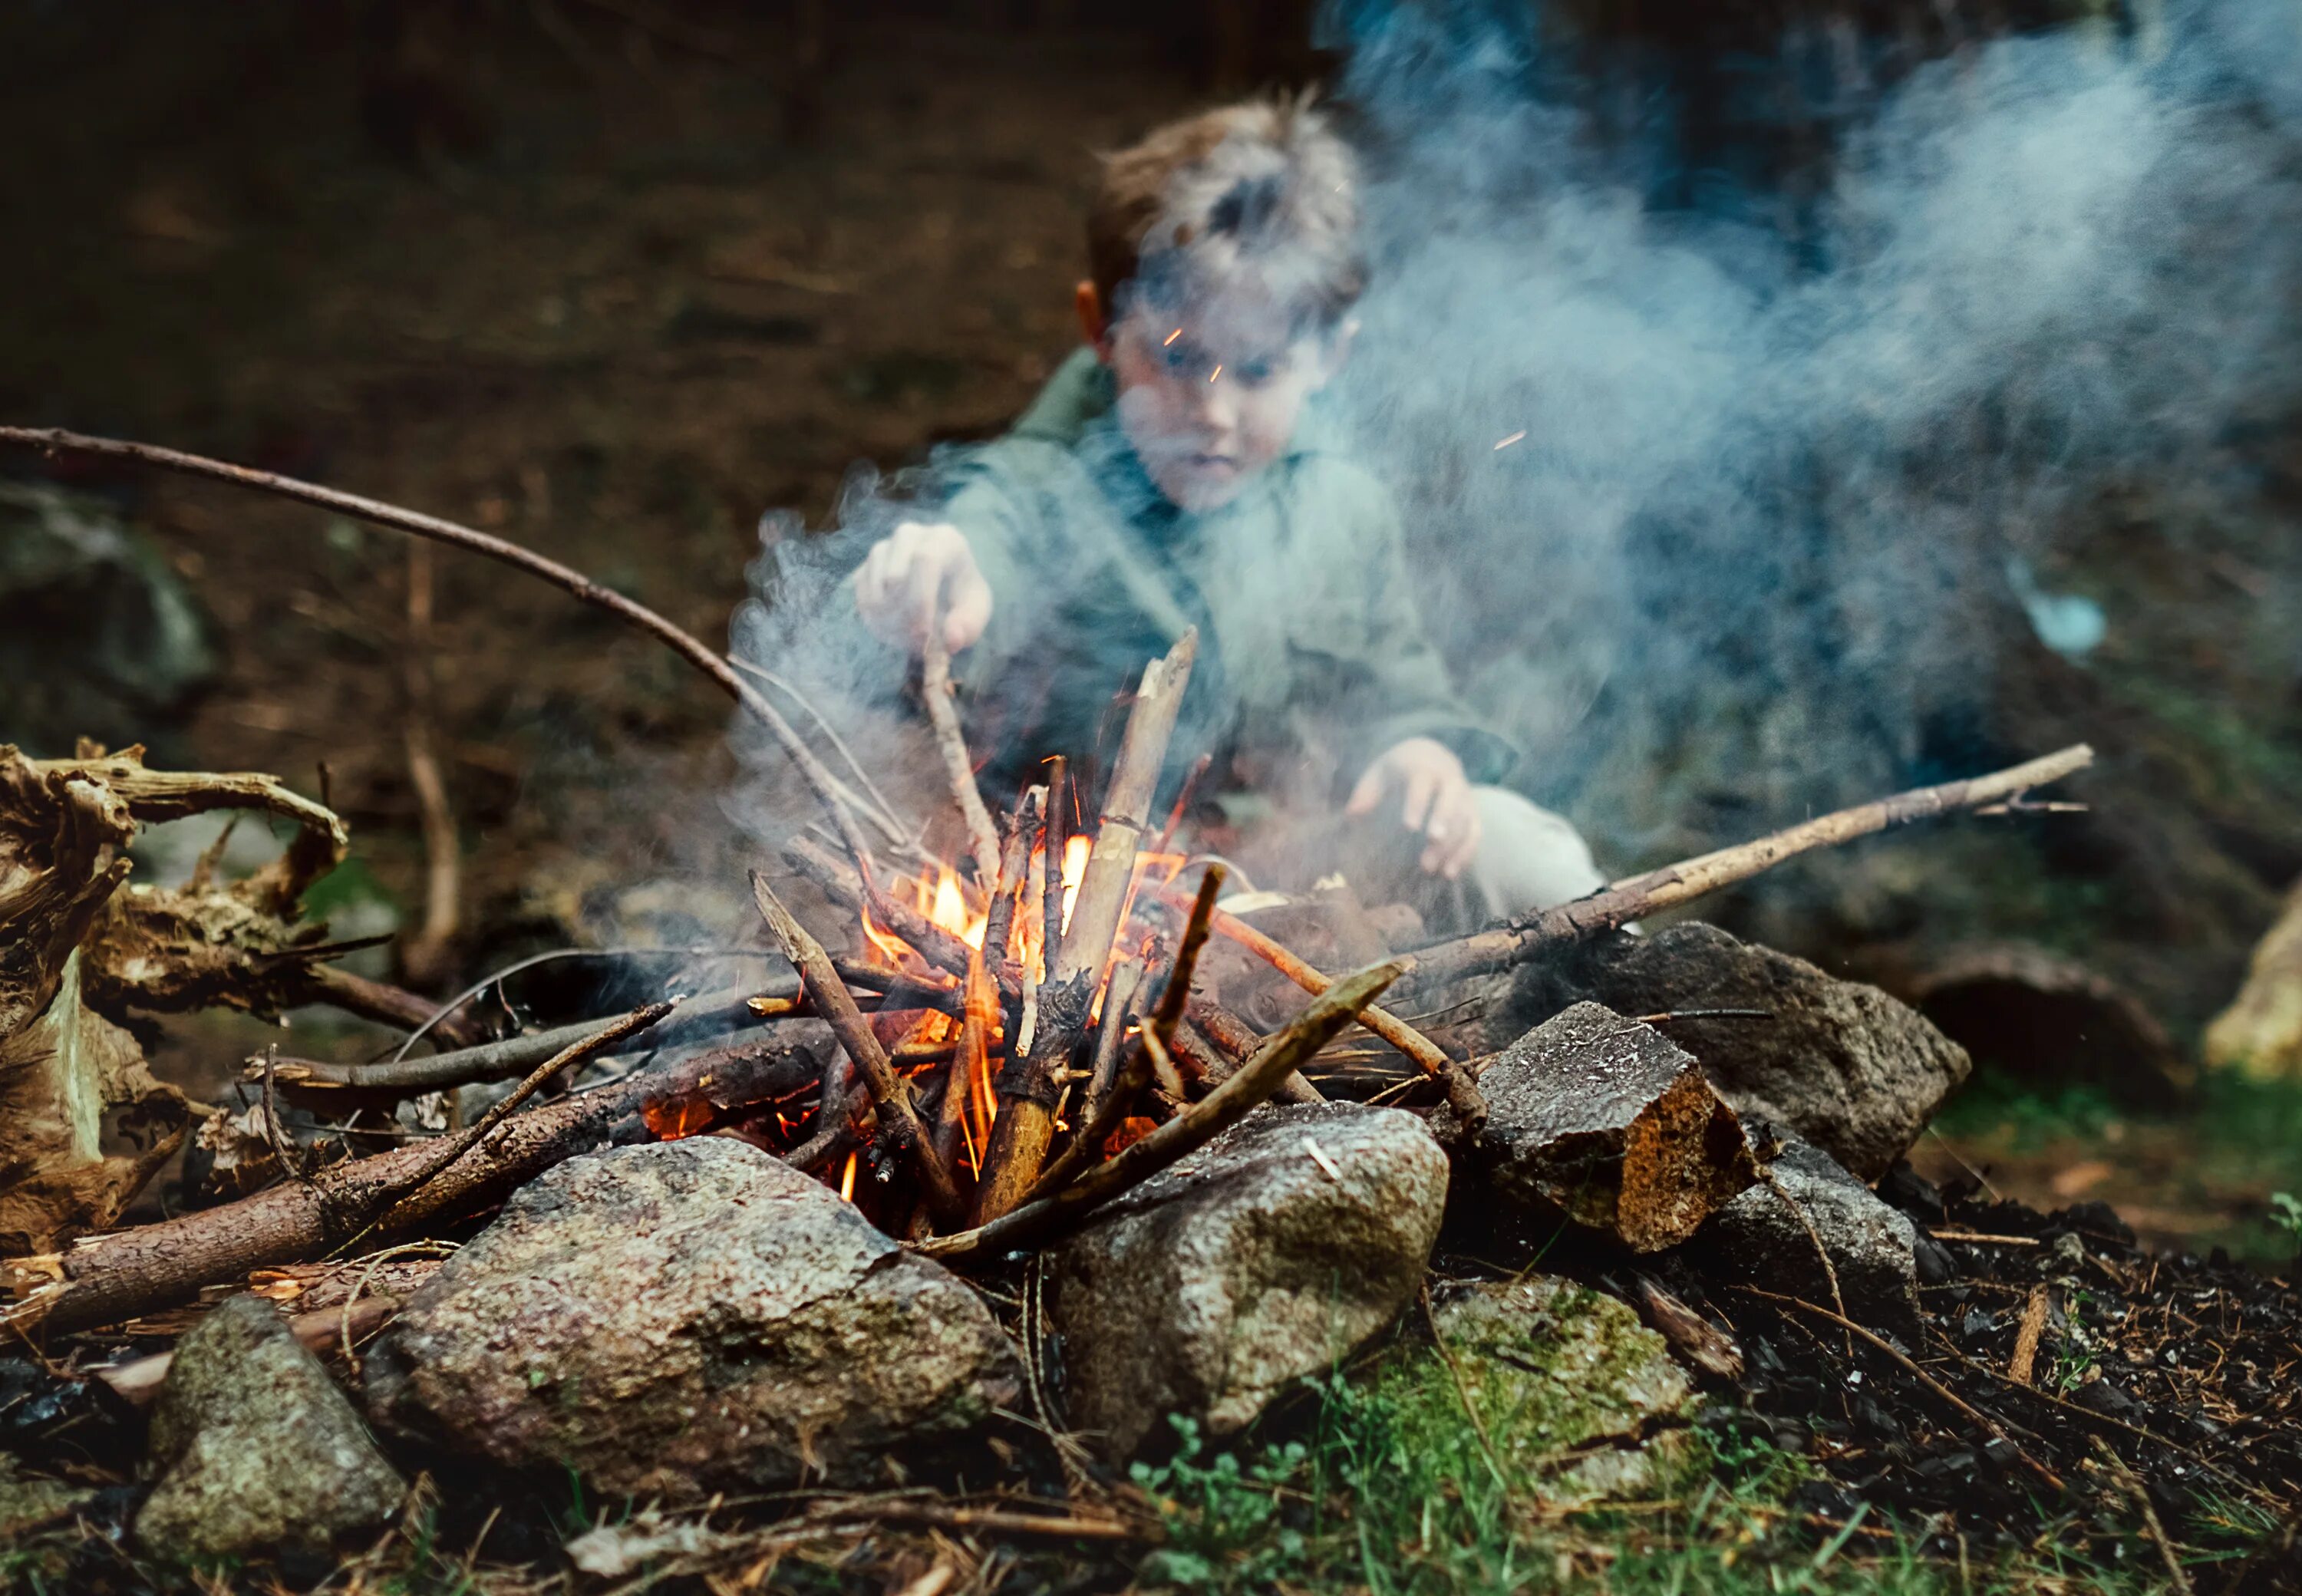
(1263,193)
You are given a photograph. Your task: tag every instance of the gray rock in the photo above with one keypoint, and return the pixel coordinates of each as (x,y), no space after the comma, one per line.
(1551,1366)
(1759,1240)
(672,1320)
(1842,1064)
(258,1448)
(97,636)
(1608,1122)
(1266,1256)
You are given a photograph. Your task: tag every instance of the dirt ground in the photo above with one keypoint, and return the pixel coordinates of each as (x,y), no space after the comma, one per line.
(613,288)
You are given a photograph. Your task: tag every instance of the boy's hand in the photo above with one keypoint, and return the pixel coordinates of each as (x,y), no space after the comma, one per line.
(913,572)
(1437,802)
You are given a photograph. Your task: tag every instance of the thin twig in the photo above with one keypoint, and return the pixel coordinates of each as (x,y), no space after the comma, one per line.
(426,954)
(57,440)
(1988,1425)
(950,743)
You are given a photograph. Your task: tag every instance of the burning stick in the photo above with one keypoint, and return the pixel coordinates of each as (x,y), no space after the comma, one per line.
(1201,1123)
(1490,951)
(826,785)
(1229,1041)
(1025,1122)
(942,949)
(890,1091)
(935,670)
(1462,1092)
(1107,1098)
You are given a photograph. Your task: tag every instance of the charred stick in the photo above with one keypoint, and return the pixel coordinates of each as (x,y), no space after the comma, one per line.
(1026,1091)
(950,743)
(1112,1090)
(1203,1061)
(132,1273)
(1060,797)
(383,1201)
(1228,1041)
(1462,1092)
(388,1004)
(1178,990)
(890,1093)
(700,1020)
(1193,1129)
(819,778)
(931,942)
(1637,896)
(1014,874)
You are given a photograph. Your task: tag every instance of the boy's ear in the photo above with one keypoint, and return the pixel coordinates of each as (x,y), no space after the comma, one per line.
(1093,319)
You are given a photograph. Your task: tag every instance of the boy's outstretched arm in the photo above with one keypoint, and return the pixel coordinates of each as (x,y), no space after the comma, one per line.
(918,571)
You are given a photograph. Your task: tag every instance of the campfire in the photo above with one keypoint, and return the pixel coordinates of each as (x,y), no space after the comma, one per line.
(974,1061)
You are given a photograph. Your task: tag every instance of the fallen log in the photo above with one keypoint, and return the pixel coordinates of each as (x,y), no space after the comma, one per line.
(107,1278)
(1491,952)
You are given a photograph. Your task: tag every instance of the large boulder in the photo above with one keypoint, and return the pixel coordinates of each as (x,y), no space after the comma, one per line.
(675,1319)
(1606,1121)
(258,1449)
(1842,1064)
(1768,1238)
(1274,1251)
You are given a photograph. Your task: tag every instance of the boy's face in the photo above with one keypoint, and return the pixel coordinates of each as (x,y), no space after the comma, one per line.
(1210,397)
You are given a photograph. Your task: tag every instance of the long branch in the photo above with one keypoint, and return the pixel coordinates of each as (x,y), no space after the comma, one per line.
(950,743)
(1490,951)
(58,440)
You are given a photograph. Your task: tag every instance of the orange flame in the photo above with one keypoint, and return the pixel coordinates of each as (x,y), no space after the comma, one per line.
(847,1180)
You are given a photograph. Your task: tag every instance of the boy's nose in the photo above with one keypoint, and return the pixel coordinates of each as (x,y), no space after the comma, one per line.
(1217,406)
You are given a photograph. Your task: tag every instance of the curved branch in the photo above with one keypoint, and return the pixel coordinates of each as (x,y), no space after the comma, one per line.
(58,440)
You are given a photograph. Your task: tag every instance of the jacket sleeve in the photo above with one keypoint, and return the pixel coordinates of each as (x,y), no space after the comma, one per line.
(1405,691)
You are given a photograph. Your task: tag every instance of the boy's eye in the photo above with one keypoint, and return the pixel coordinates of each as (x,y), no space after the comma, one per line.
(1179,357)
(1255,374)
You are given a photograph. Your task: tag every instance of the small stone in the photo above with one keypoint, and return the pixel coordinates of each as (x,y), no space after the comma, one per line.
(674,1319)
(258,1449)
(1209,1288)
(1606,1121)
(1761,1238)
(1558,1365)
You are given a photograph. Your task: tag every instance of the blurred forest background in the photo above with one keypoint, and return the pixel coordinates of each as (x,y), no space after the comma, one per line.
(614,277)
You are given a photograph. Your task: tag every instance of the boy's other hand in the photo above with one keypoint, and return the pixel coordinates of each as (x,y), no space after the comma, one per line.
(1437,803)
(915,572)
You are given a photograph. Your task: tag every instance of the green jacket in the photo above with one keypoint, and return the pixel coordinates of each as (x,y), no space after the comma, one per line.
(1312,658)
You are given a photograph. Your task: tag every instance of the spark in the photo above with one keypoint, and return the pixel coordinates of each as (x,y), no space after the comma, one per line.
(1171,337)
(1515,437)
(847,1180)
(1216,373)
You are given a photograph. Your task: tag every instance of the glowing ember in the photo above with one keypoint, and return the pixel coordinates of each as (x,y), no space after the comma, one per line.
(681,1117)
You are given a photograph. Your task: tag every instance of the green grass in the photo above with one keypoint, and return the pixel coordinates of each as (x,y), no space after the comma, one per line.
(1387,1488)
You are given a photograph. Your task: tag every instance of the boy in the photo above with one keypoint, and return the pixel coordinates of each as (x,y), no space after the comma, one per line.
(1159,481)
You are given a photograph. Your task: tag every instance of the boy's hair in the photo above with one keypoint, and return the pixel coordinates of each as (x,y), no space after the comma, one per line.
(1264,193)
